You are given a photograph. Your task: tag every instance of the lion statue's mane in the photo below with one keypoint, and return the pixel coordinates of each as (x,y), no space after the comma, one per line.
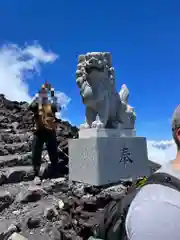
(105,107)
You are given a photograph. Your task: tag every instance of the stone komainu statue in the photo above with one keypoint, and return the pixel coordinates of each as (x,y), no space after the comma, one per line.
(96,79)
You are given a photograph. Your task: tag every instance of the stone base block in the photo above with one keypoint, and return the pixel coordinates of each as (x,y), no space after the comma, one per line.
(100,161)
(101,132)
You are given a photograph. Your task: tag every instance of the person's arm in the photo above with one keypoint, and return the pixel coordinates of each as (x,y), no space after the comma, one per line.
(154,220)
(33,106)
(55,106)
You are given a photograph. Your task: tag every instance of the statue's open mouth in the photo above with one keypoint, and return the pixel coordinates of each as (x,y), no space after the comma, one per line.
(90,69)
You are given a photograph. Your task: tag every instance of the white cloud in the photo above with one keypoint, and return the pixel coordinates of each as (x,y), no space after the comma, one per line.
(38,53)
(63,101)
(18,64)
(161,151)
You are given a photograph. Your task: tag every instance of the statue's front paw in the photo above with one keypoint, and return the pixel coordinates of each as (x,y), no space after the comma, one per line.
(97,124)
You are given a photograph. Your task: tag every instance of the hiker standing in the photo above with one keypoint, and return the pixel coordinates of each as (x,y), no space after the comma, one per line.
(150,211)
(44,109)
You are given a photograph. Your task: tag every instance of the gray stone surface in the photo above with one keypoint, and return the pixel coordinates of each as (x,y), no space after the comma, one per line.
(95,78)
(100,161)
(104,132)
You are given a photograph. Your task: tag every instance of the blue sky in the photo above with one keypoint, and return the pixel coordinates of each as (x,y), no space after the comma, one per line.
(143,37)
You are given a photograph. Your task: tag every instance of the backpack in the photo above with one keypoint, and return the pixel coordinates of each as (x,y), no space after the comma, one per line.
(46,118)
(112,222)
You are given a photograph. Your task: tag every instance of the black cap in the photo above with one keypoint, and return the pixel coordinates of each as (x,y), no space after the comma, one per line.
(176,118)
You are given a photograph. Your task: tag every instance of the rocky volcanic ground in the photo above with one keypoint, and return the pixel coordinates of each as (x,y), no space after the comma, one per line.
(56,209)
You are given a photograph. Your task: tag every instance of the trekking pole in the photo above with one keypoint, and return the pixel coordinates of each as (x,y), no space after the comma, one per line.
(44,153)
(62,152)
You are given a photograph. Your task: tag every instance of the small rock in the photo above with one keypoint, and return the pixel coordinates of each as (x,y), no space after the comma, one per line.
(8,160)
(92,190)
(58,180)
(16,174)
(50,213)
(64,221)
(2,178)
(55,234)
(3,151)
(86,227)
(68,203)
(33,194)
(5,199)
(68,234)
(78,191)
(117,188)
(15,125)
(60,204)
(37,181)
(103,199)
(86,197)
(17,212)
(86,215)
(78,210)
(90,206)
(33,222)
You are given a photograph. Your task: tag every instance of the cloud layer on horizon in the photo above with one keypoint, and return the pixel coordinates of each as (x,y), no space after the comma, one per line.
(161,151)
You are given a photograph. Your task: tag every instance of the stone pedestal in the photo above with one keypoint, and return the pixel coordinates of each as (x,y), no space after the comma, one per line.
(106,157)
(98,133)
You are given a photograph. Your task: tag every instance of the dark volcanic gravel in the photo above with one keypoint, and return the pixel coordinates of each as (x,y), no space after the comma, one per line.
(57,209)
